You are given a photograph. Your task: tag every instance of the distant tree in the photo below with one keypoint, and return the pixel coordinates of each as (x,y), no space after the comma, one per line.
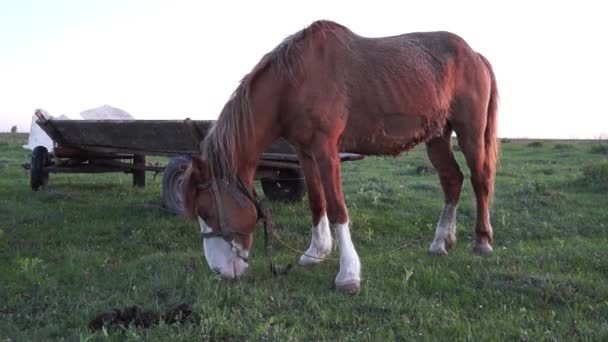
(14,129)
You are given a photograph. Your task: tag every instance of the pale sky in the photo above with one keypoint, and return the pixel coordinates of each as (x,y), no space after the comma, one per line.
(178,59)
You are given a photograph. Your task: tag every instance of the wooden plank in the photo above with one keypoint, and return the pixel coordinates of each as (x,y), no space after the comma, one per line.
(149,137)
(85,168)
(138,135)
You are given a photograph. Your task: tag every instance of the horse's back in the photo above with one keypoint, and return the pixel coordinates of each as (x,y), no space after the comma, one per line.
(399,90)
(384,95)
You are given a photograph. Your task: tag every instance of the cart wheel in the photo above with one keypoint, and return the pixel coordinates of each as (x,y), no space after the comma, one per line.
(139,176)
(39,175)
(287,186)
(173,177)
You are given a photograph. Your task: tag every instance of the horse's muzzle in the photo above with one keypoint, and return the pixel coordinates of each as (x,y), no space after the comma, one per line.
(233,270)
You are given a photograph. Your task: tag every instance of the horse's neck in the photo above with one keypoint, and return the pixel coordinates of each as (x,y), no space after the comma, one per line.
(264,99)
(250,151)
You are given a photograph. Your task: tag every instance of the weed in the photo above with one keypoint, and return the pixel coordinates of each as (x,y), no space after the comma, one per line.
(599,149)
(425,170)
(31,269)
(379,192)
(536,144)
(29,265)
(548,171)
(408,273)
(563,147)
(596,174)
(533,187)
(3,240)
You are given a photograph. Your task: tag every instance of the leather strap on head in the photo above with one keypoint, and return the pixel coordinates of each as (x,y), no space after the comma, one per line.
(223,230)
(227,235)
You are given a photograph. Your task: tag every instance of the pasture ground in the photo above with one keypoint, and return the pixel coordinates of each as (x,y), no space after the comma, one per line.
(89,243)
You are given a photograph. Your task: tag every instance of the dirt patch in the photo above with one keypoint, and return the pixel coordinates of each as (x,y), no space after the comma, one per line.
(425,170)
(141,319)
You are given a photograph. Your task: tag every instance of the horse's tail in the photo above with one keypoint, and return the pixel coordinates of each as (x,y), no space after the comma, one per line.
(491,134)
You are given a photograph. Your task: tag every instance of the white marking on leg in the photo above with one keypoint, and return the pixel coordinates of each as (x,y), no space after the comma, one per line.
(349,277)
(320,243)
(445,233)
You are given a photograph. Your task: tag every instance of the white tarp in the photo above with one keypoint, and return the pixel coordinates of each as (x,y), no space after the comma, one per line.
(106,113)
(38,137)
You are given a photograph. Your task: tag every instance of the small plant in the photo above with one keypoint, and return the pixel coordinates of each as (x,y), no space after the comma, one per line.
(505,140)
(3,242)
(602,145)
(30,268)
(369,234)
(28,265)
(378,192)
(600,149)
(536,144)
(547,171)
(596,173)
(563,147)
(14,129)
(533,187)
(424,170)
(408,273)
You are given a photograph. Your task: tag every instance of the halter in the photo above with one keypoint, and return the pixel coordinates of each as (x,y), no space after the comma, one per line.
(226,233)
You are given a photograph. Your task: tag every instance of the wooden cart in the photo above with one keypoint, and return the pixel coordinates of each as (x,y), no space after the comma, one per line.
(97,146)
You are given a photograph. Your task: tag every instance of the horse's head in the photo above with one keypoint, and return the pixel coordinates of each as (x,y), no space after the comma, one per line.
(227,214)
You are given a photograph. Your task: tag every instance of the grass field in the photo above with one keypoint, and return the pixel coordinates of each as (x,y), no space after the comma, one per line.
(87,244)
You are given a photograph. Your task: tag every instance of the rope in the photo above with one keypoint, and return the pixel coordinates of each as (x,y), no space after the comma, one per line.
(293,249)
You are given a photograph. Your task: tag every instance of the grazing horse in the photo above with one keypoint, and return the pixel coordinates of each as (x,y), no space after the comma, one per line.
(326,89)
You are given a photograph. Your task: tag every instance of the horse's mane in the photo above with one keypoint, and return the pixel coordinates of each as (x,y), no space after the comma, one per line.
(235,124)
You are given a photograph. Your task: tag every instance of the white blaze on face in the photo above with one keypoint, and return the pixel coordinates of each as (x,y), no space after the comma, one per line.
(220,255)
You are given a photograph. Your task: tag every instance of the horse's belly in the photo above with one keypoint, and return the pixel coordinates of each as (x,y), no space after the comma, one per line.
(388,134)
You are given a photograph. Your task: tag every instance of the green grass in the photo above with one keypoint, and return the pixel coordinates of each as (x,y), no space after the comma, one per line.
(89,243)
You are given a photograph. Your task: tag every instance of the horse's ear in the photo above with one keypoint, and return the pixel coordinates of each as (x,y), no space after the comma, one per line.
(198,172)
(200,167)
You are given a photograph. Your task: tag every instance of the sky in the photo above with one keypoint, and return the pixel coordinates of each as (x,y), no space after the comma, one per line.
(177,59)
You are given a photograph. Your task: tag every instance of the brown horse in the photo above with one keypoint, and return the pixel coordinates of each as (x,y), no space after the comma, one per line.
(326,89)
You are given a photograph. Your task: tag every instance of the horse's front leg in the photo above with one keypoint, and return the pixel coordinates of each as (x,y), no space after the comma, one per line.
(328,162)
(321,242)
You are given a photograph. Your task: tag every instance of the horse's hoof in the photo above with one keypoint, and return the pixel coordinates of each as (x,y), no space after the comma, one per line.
(349,287)
(305,260)
(482,249)
(438,251)
(438,248)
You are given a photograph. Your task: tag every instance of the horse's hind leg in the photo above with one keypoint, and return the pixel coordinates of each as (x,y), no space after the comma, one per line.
(471,141)
(440,153)
(320,243)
